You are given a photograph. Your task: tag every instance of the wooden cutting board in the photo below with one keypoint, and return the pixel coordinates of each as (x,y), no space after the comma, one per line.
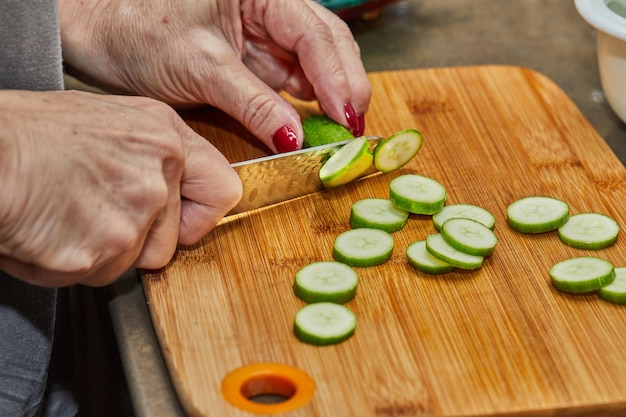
(496,341)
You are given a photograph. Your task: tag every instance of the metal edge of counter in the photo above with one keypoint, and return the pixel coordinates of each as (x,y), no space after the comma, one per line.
(148,380)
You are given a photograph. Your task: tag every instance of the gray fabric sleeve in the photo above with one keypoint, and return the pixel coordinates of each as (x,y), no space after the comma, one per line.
(27,315)
(30,59)
(30,45)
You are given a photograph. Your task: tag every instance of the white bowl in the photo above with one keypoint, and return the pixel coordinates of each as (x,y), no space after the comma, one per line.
(608,17)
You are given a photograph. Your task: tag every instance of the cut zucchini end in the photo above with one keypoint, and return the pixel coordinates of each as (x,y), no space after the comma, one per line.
(319,129)
(397,150)
(347,164)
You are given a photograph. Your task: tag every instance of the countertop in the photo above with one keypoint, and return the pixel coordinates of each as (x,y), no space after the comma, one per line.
(545,35)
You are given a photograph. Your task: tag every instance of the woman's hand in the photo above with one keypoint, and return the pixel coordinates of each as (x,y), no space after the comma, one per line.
(234,55)
(92,185)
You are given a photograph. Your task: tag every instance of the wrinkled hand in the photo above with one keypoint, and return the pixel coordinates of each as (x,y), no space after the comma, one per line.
(232,54)
(92,185)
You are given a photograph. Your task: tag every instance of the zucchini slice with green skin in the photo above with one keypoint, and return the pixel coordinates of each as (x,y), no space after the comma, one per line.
(347,164)
(324,323)
(417,194)
(442,250)
(589,231)
(377,213)
(420,259)
(465,211)
(469,236)
(398,149)
(329,281)
(363,247)
(582,274)
(537,214)
(615,292)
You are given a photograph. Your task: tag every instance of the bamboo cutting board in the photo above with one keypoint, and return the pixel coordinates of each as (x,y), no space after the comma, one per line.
(496,341)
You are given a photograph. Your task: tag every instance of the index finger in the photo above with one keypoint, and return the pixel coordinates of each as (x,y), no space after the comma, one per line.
(328,54)
(349,54)
(210,188)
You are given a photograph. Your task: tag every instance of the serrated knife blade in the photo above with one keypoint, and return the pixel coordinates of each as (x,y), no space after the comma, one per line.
(282,177)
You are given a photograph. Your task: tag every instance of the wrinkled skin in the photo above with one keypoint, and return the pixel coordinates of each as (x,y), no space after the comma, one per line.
(232,54)
(92,185)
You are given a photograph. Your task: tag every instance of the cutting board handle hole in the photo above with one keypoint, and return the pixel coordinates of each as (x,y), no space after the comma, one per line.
(268,388)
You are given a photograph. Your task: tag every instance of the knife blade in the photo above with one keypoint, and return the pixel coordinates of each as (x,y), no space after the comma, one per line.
(282,177)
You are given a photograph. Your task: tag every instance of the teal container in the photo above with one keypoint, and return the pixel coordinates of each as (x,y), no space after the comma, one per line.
(341,4)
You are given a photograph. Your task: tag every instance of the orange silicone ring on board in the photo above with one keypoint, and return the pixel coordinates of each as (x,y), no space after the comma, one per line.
(240,386)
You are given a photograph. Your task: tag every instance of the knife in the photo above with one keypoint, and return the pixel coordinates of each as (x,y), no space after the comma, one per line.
(282,177)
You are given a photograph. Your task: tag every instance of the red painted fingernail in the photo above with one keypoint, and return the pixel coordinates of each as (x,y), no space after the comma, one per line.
(285,139)
(361,118)
(352,119)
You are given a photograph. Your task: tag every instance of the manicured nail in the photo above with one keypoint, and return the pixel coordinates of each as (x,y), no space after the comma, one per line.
(285,139)
(353,119)
(361,118)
